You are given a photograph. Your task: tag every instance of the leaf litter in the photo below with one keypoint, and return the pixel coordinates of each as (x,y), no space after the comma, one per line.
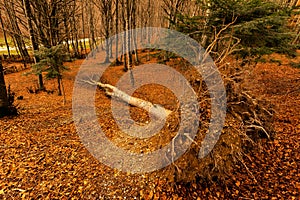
(41,155)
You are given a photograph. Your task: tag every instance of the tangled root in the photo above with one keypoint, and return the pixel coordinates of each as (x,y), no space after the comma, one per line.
(248,120)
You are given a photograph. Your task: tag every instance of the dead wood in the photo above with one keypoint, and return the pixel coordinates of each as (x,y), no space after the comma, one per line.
(153,109)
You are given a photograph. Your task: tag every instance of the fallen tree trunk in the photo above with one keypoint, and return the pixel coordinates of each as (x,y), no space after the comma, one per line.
(153,109)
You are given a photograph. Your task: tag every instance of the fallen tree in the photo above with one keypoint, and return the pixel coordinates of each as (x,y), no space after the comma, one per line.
(248,120)
(153,109)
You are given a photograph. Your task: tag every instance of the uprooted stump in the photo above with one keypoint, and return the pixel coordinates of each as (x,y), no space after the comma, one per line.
(248,120)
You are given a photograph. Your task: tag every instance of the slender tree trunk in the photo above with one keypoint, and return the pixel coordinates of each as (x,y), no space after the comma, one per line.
(4,35)
(122,50)
(83,27)
(106,50)
(63,91)
(34,43)
(148,39)
(117,31)
(124,55)
(59,86)
(105,9)
(111,29)
(134,39)
(16,46)
(91,28)
(77,44)
(128,38)
(67,34)
(147,29)
(51,33)
(11,11)
(73,46)
(124,36)
(75,32)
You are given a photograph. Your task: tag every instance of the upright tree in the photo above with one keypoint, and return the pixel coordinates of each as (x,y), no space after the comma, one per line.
(254,27)
(34,42)
(91,25)
(14,21)
(51,61)
(106,10)
(172,9)
(117,31)
(4,34)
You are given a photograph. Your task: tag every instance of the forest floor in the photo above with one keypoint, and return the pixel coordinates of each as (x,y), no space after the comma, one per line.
(42,157)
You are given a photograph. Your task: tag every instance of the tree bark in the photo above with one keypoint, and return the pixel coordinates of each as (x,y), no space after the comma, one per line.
(83,28)
(16,31)
(59,85)
(34,43)
(128,29)
(124,54)
(3,93)
(4,34)
(117,31)
(154,110)
(75,32)
(92,39)
(66,27)
(134,36)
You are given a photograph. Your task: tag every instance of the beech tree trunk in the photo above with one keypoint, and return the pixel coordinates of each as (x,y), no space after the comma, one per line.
(4,34)
(92,39)
(117,31)
(154,110)
(59,85)
(34,43)
(83,27)
(75,37)
(16,33)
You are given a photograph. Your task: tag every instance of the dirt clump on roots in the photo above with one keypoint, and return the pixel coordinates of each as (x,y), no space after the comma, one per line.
(248,119)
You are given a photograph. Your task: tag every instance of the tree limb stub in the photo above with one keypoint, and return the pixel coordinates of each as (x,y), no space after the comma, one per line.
(153,109)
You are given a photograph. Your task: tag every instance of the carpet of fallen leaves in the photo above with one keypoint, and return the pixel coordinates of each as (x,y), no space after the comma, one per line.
(42,157)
